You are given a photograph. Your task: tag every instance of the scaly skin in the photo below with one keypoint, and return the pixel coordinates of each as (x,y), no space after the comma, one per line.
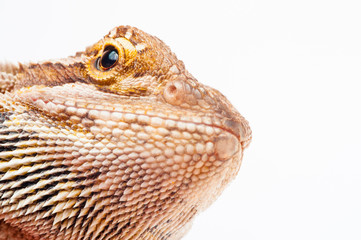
(97,146)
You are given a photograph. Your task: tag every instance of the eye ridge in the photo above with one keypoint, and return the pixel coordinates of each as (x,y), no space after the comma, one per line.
(109,58)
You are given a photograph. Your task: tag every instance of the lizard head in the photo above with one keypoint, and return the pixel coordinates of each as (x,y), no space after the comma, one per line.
(134,129)
(131,62)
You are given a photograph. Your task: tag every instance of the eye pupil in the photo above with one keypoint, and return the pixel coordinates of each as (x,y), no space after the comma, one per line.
(109,59)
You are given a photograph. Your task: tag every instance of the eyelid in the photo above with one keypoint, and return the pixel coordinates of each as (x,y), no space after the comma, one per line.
(129,49)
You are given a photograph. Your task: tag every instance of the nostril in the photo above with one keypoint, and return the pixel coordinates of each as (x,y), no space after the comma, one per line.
(174,92)
(172,89)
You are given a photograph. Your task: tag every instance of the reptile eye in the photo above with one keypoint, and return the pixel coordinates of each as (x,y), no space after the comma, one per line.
(109,58)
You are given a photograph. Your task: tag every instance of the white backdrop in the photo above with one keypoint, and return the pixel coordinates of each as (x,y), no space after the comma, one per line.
(292,68)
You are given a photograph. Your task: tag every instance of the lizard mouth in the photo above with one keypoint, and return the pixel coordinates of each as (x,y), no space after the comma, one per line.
(234,138)
(240,129)
(179,92)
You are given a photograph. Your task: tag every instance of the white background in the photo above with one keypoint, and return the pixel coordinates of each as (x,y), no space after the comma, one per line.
(292,68)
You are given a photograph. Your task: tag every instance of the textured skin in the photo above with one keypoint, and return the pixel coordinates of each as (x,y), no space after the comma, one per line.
(130,152)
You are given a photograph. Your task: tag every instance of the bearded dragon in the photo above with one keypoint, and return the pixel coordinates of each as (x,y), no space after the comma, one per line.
(117,142)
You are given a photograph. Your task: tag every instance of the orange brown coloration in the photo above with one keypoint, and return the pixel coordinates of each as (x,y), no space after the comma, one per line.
(117,142)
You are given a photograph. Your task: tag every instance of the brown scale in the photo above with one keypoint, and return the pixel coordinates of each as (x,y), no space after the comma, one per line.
(116,142)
